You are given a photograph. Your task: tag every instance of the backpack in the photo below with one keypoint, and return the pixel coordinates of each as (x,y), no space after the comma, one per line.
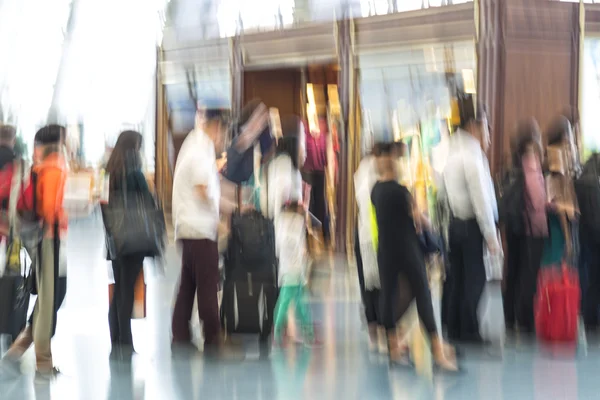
(512,204)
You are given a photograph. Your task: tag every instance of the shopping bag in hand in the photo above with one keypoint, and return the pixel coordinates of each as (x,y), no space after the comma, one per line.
(494,263)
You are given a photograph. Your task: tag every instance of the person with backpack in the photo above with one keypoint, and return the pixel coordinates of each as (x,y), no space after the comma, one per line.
(8,157)
(43,198)
(523,213)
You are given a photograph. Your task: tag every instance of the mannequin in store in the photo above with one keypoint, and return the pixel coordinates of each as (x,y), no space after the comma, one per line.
(314,172)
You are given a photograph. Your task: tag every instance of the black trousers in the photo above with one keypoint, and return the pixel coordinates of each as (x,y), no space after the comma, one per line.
(318,204)
(126,272)
(370,298)
(401,286)
(524,257)
(467,280)
(199,277)
(590,282)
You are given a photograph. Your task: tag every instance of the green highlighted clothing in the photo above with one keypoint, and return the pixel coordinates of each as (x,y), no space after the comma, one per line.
(297,295)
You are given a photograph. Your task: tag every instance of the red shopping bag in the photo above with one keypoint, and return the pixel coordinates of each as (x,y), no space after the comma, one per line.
(557,304)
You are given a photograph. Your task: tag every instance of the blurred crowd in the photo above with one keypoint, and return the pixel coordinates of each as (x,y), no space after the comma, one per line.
(245,224)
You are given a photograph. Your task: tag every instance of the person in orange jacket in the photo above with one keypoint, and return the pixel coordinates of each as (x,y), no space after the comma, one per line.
(43,199)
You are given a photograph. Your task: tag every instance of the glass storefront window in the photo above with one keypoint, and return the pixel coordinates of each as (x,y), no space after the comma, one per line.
(407,95)
(590,86)
(401,88)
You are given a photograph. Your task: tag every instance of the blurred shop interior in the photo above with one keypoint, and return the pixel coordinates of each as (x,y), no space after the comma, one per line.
(358,70)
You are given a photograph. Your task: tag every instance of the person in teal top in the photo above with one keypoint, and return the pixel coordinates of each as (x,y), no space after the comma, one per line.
(561,244)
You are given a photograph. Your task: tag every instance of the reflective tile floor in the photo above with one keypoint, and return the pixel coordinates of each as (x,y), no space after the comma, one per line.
(342,369)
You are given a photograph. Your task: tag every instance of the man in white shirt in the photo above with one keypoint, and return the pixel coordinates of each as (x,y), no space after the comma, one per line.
(196,197)
(468,187)
(365,178)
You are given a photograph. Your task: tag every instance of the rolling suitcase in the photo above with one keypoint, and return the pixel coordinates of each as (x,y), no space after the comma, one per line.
(250,268)
(557,304)
(248,304)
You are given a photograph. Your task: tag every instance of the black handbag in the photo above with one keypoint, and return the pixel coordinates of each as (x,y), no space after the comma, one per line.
(134,223)
(429,242)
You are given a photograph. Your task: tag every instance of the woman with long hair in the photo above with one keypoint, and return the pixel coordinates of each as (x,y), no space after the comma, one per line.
(125,173)
(524,205)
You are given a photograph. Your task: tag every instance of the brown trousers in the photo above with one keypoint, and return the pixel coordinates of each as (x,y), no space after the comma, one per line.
(51,293)
(200,277)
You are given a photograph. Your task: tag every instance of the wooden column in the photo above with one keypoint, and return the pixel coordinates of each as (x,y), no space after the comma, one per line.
(163,171)
(237,76)
(528,64)
(349,137)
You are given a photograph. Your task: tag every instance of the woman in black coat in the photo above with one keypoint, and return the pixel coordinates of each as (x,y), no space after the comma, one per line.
(125,173)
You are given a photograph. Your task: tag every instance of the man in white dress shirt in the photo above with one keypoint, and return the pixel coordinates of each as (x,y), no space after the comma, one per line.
(196,201)
(468,187)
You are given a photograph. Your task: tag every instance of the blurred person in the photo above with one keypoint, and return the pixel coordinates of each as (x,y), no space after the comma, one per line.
(252,127)
(562,199)
(280,178)
(292,252)
(524,215)
(562,243)
(46,190)
(467,186)
(125,168)
(196,199)
(588,197)
(314,172)
(400,258)
(365,178)
(575,141)
(8,157)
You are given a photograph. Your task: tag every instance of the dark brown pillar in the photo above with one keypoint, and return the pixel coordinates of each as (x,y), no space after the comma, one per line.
(349,136)
(528,64)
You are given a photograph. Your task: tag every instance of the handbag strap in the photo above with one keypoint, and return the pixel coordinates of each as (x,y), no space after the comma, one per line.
(15,191)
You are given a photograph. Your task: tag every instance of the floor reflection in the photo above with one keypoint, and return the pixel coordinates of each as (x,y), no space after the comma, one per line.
(342,369)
